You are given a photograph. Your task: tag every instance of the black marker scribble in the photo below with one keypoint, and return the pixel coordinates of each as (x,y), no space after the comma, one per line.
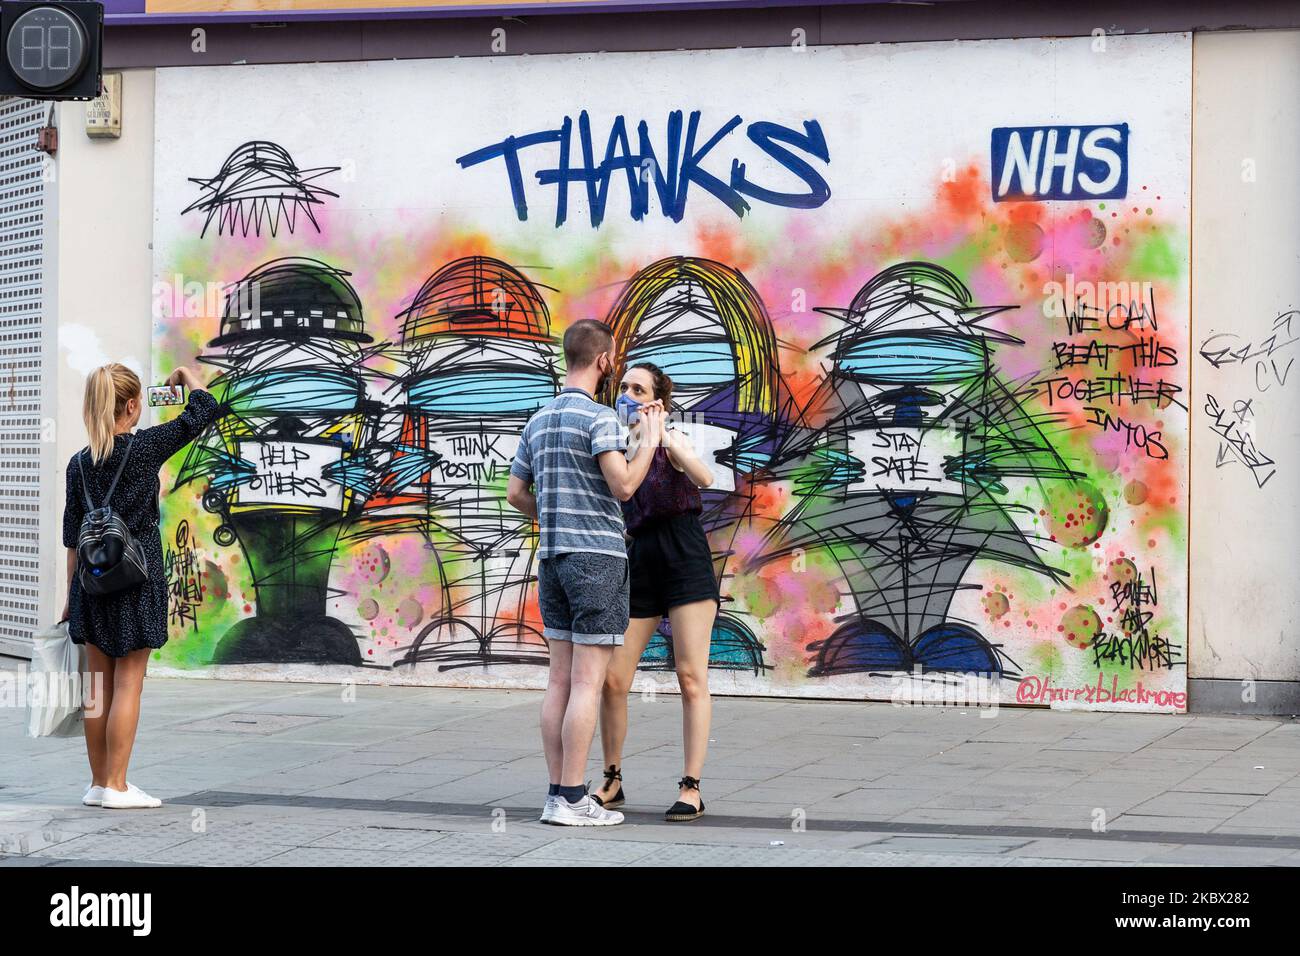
(259,185)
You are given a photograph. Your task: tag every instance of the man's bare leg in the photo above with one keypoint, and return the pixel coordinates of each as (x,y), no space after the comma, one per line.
(554,705)
(586,680)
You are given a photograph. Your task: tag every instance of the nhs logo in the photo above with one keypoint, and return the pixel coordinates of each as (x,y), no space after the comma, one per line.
(1060,162)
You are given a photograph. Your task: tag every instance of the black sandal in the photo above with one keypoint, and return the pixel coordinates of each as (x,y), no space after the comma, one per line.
(612,774)
(682,811)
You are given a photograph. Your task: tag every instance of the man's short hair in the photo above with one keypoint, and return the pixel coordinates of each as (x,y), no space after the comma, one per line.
(584,340)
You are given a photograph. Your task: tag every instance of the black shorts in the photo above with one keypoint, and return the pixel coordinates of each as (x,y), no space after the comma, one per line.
(669,564)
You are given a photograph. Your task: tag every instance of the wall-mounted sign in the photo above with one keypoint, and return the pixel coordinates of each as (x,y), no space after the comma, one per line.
(104,112)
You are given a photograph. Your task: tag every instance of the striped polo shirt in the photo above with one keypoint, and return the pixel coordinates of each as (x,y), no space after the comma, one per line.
(557,454)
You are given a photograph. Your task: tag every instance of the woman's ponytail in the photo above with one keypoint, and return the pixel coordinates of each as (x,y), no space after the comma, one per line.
(108,389)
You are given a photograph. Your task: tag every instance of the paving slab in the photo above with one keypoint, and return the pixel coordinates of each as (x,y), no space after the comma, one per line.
(263,774)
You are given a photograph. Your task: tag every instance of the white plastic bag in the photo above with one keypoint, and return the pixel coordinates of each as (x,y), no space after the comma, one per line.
(55,705)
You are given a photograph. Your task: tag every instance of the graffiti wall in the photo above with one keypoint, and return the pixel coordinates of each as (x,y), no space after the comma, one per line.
(925,305)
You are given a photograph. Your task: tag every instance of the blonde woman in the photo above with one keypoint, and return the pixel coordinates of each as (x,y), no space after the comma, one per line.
(119,630)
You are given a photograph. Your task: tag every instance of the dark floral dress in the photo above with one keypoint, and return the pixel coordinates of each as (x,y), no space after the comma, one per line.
(136,618)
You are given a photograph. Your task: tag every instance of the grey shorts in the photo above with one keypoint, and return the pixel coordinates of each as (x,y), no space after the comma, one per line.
(583,598)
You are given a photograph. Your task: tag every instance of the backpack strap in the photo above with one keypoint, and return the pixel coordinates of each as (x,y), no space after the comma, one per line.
(85,490)
(90,505)
(125,455)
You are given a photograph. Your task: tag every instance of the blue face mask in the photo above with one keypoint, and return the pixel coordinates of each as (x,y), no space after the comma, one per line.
(627,409)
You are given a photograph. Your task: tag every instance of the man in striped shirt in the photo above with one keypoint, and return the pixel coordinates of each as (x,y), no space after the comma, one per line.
(570,473)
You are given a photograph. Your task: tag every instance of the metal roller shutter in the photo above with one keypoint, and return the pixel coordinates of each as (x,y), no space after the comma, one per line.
(22,248)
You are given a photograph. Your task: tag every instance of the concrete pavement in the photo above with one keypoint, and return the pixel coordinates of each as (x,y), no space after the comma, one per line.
(277,774)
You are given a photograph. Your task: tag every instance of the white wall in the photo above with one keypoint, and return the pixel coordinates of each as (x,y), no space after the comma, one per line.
(1245,593)
(101,228)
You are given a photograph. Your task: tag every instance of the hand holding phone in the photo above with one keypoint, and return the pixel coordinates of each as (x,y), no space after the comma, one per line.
(166,395)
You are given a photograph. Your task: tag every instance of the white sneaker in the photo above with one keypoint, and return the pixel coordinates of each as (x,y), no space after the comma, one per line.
(94,796)
(548,811)
(132,798)
(585,813)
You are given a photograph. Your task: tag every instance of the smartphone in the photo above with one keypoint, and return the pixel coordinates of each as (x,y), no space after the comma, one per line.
(166,395)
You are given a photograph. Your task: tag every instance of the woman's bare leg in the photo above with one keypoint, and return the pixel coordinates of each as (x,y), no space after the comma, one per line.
(613,698)
(99,700)
(124,715)
(692,636)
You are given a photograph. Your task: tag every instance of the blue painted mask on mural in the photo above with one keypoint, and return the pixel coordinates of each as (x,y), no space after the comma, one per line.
(627,409)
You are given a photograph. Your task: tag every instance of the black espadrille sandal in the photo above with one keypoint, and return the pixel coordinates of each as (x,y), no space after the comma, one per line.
(612,774)
(681,811)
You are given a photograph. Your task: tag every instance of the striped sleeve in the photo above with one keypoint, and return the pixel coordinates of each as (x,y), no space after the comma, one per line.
(606,432)
(522,466)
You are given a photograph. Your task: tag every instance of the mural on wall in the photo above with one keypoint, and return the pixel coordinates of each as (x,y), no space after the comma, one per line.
(942,396)
(913,376)
(259,185)
(289,462)
(480,359)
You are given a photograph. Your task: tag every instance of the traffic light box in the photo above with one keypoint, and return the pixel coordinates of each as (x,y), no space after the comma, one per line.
(51,51)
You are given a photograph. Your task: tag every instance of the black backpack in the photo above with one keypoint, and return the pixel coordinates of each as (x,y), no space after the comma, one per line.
(109,557)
